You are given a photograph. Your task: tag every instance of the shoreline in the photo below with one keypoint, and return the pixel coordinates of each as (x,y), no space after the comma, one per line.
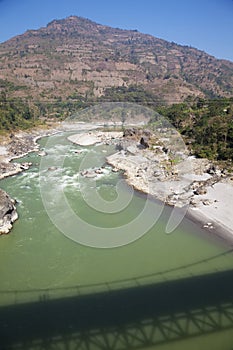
(208,191)
(19,145)
(187,183)
(27,143)
(206,209)
(218,231)
(8,167)
(29,140)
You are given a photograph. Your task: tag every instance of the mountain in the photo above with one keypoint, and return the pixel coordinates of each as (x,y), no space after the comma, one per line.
(77,59)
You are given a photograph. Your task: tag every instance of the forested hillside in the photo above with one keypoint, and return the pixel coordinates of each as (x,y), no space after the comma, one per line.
(14,112)
(206,126)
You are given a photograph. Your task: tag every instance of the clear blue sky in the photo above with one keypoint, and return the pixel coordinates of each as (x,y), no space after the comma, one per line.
(204,24)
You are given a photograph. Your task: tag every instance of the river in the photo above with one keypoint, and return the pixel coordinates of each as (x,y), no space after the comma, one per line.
(36,258)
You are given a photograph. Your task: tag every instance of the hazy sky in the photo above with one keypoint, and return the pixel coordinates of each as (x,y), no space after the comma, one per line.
(204,24)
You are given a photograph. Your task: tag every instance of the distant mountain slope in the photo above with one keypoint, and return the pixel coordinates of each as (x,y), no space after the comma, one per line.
(77,58)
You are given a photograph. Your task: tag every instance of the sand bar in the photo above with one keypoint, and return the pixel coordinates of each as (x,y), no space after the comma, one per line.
(92,138)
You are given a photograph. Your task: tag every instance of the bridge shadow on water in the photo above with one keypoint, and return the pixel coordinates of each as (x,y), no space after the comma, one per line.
(131,318)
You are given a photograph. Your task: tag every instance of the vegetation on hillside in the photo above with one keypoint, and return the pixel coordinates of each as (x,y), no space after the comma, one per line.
(132,94)
(15,114)
(206,125)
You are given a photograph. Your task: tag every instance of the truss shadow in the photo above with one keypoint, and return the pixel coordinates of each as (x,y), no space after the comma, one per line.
(131,318)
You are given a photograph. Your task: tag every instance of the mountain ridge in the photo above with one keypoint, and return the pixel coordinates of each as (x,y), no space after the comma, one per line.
(76,58)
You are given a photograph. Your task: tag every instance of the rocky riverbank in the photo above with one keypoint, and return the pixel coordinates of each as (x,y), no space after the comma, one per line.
(155,163)
(15,146)
(164,169)
(8,213)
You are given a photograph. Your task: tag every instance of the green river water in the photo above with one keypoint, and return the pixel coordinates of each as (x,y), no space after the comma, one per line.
(36,258)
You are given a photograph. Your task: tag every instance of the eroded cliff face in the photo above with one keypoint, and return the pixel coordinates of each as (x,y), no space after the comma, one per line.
(8,213)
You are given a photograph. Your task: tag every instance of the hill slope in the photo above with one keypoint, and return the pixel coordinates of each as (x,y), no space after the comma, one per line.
(76,58)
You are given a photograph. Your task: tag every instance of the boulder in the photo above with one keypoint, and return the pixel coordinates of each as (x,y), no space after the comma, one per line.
(130,132)
(144,142)
(132,150)
(200,191)
(8,213)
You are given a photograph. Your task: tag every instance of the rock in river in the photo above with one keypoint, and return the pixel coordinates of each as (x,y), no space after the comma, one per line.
(8,213)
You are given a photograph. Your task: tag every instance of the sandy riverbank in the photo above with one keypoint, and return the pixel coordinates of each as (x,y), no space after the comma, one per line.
(215,208)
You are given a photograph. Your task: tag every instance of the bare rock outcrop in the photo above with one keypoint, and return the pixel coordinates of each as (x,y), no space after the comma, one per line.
(8,213)
(21,144)
(168,173)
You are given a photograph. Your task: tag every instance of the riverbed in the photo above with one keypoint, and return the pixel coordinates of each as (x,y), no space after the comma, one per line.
(37,258)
